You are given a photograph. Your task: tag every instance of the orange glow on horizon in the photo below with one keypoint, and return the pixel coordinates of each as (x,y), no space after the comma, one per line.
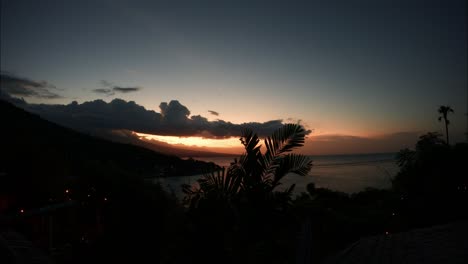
(194,141)
(321,143)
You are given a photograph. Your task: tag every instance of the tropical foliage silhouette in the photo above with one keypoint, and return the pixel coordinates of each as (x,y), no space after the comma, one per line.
(444,110)
(254,176)
(239,212)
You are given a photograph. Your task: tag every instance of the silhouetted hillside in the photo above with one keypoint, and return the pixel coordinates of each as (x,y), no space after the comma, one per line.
(40,156)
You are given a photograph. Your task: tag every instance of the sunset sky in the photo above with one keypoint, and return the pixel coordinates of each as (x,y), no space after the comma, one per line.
(363,76)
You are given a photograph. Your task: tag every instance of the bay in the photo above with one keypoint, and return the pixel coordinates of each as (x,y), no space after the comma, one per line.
(345,173)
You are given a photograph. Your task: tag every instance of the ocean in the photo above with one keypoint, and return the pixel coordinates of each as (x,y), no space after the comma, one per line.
(345,173)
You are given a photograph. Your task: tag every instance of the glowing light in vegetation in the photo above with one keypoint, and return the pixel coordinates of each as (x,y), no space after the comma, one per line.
(67,191)
(387,233)
(194,141)
(105,199)
(22,211)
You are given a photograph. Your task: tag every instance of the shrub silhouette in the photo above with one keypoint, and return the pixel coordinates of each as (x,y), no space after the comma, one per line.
(432,179)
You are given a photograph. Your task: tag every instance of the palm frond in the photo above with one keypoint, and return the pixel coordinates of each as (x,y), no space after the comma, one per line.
(233,180)
(252,160)
(221,184)
(250,140)
(192,195)
(285,139)
(291,163)
(445,109)
(254,175)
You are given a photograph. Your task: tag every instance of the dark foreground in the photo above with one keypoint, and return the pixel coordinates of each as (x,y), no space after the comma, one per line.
(438,244)
(72,198)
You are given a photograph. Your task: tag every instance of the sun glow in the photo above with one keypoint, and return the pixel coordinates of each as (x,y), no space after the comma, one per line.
(194,141)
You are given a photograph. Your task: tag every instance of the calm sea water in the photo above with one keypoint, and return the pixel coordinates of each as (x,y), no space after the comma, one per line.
(346,173)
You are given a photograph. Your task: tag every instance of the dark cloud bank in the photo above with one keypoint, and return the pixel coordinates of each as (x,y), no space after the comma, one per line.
(173,119)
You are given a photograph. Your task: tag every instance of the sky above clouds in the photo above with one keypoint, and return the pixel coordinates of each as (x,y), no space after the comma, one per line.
(348,70)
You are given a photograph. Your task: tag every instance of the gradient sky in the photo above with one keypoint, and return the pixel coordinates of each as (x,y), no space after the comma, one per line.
(346,69)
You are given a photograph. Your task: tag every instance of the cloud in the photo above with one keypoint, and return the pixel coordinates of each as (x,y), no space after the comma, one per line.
(213,112)
(125,89)
(174,119)
(104,91)
(22,87)
(112,89)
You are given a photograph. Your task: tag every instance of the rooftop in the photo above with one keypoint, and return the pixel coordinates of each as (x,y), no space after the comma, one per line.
(438,244)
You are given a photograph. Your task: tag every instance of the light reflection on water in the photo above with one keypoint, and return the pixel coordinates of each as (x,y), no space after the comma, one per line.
(350,173)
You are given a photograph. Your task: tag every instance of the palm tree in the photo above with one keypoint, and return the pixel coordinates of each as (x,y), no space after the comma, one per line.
(239,208)
(444,110)
(255,175)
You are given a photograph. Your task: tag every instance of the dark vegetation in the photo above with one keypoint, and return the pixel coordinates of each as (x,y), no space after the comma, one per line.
(239,212)
(108,214)
(98,186)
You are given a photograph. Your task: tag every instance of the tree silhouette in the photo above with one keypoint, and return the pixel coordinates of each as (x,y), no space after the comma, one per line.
(255,175)
(240,211)
(444,110)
